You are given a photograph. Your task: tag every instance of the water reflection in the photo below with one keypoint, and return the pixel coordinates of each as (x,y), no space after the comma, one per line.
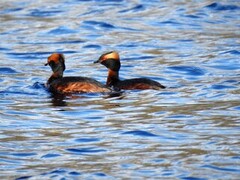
(190,128)
(62,99)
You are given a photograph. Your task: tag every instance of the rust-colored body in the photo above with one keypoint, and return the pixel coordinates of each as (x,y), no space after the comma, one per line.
(59,84)
(112,61)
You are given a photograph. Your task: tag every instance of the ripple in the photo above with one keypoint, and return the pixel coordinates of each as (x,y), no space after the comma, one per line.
(23,178)
(34,55)
(136,8)
(168,134)
(83,151)
(38,85)
(14,91)
(220,7)
(61,30)
(222,87)
(4,49)
(23,154)
(44,13)
(100,24)
(10,10)
(188,70)
(193,178)
(58,171)
(74,173)
(50,155)
(140,133)
(222,169)
(92,46)
(6,70)
(100,174)
(139,58)
(234,52)
(192,16)
(236,108)
(87,140)
(85,0)
(226,64)
(60,174)
(56,42)
(171,22)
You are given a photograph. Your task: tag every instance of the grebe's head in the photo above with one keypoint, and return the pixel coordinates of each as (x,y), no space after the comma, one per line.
(111,60)
(57,62)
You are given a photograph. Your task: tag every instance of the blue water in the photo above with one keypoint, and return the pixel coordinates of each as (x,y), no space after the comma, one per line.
(188,131)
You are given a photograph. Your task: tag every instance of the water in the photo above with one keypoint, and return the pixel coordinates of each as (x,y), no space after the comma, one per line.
(189,131)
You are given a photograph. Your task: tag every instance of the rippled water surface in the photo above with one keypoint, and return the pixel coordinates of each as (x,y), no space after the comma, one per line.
(188,131)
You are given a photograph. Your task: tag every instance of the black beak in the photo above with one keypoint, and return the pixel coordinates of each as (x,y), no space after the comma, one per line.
(96,61)
(51,63)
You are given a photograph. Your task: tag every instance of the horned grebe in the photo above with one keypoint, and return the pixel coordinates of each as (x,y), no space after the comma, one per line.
(112,61)
(59,84)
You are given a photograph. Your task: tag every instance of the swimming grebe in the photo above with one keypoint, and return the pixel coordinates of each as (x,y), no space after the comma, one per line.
(112,61)
(59,84)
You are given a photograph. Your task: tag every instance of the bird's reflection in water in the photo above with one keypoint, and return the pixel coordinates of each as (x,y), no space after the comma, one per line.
(58,100)
(61,99)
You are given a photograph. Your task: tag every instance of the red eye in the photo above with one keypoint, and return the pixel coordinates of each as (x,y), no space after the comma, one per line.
(104,58)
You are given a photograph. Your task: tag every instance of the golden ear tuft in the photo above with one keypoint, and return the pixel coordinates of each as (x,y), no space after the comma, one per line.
(114,55)
(110,55)
(56,57)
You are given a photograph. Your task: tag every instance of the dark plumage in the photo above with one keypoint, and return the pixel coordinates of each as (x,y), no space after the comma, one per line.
(111,60)
(59,84)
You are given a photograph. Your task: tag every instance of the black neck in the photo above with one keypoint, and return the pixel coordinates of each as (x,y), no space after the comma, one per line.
(112,64)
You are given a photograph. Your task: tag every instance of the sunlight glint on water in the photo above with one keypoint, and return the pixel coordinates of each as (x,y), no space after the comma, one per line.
(188,131)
